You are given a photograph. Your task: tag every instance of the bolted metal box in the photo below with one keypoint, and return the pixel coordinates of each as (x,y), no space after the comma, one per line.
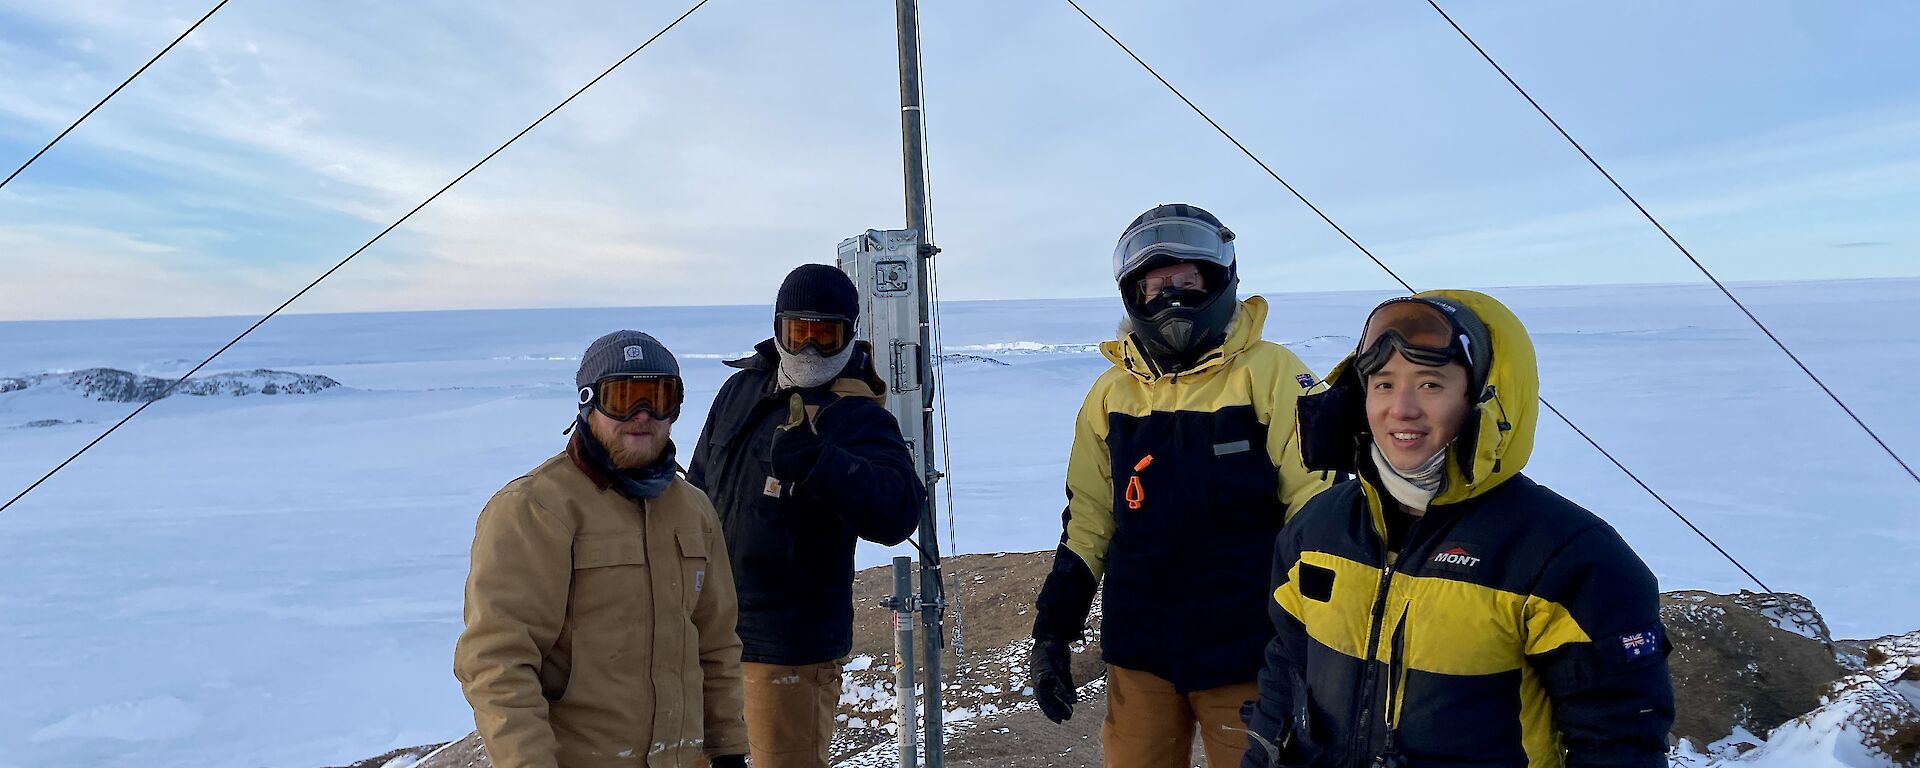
(886,266)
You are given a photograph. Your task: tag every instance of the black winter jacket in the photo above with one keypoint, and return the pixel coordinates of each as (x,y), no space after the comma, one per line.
(792,554)
(1514,625)
(1512,628)
(1176,486)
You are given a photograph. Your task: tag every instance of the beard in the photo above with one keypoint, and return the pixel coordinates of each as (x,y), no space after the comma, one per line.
(621,452)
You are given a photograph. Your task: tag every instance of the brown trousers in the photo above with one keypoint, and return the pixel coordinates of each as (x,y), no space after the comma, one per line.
(790,713)
(1149,725)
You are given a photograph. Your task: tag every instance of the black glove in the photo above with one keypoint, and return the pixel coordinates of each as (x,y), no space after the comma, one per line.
(729,761)
(796,446)
(1066,598)
(1059,618)
(1262,753)
(1053,679)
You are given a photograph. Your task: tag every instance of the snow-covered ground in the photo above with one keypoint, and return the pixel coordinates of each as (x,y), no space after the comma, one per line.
(274,580)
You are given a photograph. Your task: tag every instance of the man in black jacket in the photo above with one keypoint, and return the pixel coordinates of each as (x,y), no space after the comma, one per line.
(1441,609)
(801,458)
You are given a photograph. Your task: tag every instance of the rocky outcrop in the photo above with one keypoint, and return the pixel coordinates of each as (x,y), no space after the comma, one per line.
(1742,664)
(1748,661)
(117,386)
(1867,718)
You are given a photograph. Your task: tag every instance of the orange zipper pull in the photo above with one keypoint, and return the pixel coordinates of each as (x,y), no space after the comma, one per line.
(1136,494)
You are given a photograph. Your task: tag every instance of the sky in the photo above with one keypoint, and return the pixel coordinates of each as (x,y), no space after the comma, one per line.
(1778,140)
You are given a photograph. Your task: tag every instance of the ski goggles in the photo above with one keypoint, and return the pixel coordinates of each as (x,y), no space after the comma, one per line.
(1423,332)
(795,331)
(622,397)
(1183,238)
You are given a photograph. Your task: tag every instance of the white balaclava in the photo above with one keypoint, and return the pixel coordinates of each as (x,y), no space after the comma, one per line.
(1415,489)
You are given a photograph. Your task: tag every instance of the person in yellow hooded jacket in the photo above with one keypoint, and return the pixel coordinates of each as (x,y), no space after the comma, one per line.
(1184,467)
(1442,609)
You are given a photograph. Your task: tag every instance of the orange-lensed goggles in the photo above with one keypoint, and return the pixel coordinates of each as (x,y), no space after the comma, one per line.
(1420,331)
(622,397)
(795,331)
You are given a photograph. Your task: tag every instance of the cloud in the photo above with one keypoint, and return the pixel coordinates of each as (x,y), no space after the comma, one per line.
(760,133)
(85,273)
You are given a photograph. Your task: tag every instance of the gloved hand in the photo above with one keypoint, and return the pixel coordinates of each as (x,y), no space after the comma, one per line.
(1262,753)
(796,446)
(1052,679)
(729,761)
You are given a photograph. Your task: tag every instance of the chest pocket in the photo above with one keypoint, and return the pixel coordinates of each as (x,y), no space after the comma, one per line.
(609,580)
(1245,486)
(693,566)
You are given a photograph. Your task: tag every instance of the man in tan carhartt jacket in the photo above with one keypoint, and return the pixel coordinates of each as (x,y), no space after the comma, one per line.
(600,605)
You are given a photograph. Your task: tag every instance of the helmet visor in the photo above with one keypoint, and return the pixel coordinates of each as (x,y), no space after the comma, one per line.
(1187,277)
(1182,238)
(621,398)
(795,331)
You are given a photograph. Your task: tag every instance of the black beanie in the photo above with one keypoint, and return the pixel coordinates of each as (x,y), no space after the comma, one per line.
(821,289)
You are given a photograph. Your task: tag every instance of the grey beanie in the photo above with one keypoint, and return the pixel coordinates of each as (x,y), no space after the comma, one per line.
(624,352)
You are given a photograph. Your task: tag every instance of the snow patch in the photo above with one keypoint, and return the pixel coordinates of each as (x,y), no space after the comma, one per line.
(162,717)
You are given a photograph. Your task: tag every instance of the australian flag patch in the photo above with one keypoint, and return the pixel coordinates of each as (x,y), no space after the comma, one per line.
(1306,380)
(1637,645)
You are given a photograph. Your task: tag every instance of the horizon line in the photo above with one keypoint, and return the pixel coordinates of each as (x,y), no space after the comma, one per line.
(1243,295)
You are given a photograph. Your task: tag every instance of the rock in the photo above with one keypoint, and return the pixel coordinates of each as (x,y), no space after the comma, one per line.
(42,423)
(468,752)
(1748,660)
(116,386)
(398,757)
(958,358)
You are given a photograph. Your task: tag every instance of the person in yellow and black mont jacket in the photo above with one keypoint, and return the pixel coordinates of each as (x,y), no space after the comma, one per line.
(1184,467)
(1442,609)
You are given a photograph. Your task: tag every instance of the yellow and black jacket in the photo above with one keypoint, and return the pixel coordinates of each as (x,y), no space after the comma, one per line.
(1176,486)
(1513,627)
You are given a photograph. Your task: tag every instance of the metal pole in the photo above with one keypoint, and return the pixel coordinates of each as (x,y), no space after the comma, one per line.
(914,161)
(902,604)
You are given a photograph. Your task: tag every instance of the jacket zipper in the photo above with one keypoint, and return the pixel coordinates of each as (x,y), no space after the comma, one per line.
(1396,698)
(1364,735)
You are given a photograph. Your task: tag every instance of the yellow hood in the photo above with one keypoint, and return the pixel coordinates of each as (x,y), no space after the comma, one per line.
(1248,321)
(1499,432)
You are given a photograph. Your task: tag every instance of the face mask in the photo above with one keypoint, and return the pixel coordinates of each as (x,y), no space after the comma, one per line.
(807,368)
